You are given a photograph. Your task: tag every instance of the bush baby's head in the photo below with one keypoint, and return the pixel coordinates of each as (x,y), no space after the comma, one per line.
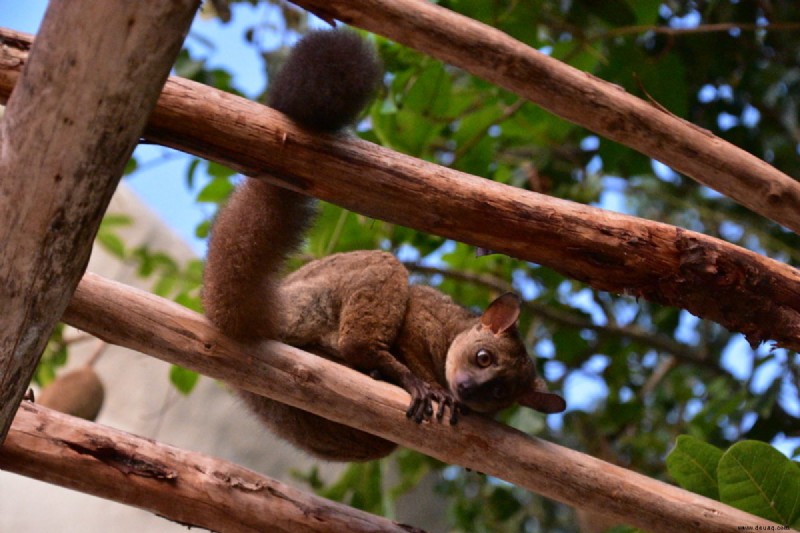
(488,368)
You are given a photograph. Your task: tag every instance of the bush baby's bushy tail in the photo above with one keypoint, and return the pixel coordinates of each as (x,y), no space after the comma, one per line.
(328,78)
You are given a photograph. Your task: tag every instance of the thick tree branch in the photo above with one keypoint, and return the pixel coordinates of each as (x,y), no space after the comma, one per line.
(145,322)
(576,96)
(183,486)
(69,127)
(712,279)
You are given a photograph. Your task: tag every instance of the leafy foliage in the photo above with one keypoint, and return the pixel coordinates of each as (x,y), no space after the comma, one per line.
(693,464)
(637,376)
(750,475)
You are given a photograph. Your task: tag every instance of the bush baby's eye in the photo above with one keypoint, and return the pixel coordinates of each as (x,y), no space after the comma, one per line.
(483,358)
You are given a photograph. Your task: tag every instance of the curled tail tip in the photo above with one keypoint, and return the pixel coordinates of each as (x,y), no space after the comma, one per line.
(328,79)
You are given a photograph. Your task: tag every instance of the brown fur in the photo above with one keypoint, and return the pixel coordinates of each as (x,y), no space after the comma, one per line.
(260,225)
(354,308)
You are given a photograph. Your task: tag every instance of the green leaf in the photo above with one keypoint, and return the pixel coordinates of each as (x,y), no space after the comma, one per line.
(664,80)
(186,67)
(191,170)
(216,170)
(406,130)
(111,220)
(164,286)
(693,464)
(503,503)
(183,379)
(107,237)
(216,191)
(477,123)
(411,466)
(614,12)
(757,478)
(527,421)
(190,302)
(646,11)
(203,229)
(339,230)
(360,486)
(569,345)
(55,356)
(111,243)
(623,529)
(430,92)
(130,166)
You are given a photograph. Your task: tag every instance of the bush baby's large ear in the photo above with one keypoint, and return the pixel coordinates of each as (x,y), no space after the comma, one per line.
(502,313)
(537,397)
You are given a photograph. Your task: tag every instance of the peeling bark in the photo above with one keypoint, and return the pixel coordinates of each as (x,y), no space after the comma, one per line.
(186,487)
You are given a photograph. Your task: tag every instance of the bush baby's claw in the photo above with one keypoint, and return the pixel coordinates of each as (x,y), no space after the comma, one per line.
(423,396)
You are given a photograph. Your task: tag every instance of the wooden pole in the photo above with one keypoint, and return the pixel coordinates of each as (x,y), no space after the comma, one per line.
(81,103)
(187,487)
(144,322)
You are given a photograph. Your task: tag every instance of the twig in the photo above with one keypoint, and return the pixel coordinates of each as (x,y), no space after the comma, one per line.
(702,28)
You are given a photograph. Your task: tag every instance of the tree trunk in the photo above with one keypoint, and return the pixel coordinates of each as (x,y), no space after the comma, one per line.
(70,125)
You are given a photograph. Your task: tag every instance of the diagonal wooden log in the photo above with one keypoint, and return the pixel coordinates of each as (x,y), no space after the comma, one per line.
(187,487)
(712,279)
(577,96)
(147,323)
(70,125)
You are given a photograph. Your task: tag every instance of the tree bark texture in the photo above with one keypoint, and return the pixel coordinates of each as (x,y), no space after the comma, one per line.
(577,96)
(183,486)
(147,323)
(70,125)
(713,279)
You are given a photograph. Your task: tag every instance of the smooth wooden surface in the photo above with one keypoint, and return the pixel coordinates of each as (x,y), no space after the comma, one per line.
(70,125)
(712,279)
(577,96)
(183,486)
(144,322)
